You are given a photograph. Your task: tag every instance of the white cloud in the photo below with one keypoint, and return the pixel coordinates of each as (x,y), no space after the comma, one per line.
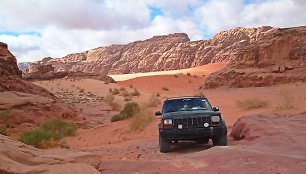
(69,26)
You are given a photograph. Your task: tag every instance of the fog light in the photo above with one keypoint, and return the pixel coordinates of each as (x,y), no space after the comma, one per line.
(215,118)
(206,124)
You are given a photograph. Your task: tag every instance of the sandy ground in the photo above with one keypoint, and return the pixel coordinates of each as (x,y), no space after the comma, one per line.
(116,143)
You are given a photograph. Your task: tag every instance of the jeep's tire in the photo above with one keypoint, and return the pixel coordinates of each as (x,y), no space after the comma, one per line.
(164,145)
(220,140)
(202,141)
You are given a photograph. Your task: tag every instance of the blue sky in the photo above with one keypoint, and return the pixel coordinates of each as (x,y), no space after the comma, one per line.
(34,29)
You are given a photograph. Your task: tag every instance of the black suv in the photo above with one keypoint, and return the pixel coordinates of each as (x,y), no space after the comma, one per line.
(190,118)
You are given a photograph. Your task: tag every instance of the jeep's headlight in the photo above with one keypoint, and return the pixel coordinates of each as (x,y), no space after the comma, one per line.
(168,122)
(215,118)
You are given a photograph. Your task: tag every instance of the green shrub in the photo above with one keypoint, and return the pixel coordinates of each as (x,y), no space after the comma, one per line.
(118,117)
(128,111)
(153,101)
(135,92)
(165,88)
(3,132)
(48,134)
(60,128)
(252,103)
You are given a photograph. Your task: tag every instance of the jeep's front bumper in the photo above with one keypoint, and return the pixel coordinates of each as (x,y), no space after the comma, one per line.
(192,133)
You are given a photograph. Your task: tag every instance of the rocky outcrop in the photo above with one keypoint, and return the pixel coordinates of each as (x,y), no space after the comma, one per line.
(24,102)
(8,63)
(277,57)
(277,134)
(174,51)
(16,157)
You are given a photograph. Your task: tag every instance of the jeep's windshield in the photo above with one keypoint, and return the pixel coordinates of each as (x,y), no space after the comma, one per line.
(185,104)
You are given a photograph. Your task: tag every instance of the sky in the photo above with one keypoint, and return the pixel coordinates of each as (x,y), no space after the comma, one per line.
(35,29)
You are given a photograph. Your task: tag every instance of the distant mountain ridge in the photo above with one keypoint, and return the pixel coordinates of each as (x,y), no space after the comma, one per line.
(168,52)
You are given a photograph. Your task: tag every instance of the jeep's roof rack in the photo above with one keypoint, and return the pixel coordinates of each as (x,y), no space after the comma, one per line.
(173,98)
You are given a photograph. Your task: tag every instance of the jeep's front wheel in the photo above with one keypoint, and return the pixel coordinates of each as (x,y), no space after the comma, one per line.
(220,140)
(164,145)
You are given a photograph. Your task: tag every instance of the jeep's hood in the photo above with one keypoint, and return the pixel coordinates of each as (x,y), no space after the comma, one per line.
(196,113)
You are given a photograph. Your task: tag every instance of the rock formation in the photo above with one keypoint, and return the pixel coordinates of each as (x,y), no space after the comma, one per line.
(278,56)
(169,52)
(16,157)
(23,101)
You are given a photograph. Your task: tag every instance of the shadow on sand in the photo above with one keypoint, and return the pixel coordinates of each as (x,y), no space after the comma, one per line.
(189,147)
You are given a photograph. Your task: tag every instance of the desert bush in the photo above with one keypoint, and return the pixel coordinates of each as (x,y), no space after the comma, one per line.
(48,134)
(252,103)
(175,75)
(82,90)
(195,76)
(165,88)
(6,118)
(135,92)
(199,94)
(153,101)
(128,98)
(3,132)
(117,117)
(122,89)
(286,99)
(115,91)
(131,86)
(189,81)
(140,120)
(158,94)
(188,74)
(125,93)
(128,111)
(110,100)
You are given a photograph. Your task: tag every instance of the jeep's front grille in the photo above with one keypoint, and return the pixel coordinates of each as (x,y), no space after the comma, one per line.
(191,121)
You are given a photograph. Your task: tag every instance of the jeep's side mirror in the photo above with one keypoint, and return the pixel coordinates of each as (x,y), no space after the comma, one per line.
(158,113)
(215,109)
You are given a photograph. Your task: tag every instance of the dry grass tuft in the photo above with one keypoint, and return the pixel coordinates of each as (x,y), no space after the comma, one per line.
(252,103)
(286,99)
(153,101)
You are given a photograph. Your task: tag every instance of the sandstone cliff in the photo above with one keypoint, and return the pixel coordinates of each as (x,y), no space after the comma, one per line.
(277,57)
(23,101)
(169,52)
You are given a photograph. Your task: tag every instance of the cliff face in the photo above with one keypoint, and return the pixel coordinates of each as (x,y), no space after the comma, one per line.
(8,63)
(278,57)
(26,102)
(174,51)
